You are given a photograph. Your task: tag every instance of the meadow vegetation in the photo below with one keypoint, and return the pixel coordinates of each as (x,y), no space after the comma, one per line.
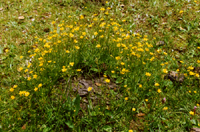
(113,65)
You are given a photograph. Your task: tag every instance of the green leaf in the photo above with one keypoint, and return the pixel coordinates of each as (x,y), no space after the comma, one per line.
(119,80)
(69,124)
(77,104)
(46,129)
(94,69)
(193,121)
(1,50)
(107,128)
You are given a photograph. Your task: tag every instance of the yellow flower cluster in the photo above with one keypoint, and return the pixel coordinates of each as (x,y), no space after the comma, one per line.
(25,93)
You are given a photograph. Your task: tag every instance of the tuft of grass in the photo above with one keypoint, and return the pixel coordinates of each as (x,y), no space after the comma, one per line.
(99,65)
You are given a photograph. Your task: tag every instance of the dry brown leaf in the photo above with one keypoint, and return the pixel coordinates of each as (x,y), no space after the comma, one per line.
(98,84)
(182,28)
(24,127)
(140,114)
(196,129)
(21,17)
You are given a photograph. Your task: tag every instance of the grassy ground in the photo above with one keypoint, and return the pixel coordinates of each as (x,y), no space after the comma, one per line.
(99,66)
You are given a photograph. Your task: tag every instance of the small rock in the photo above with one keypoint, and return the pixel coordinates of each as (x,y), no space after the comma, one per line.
(160,43)
(195,129)
(83,92)
(174,76)
(122,5)
(21,17)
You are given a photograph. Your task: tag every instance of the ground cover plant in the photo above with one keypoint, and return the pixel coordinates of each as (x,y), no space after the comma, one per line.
(99,65)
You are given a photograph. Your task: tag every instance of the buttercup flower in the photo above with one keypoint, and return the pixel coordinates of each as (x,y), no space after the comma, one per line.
(157,84)
(15,86)
(133,109)
(107,80)
(71,63)
(159,91)
(191,113)
(12,97)
(98,46)
(165,70)
(12,89)
(40,85)
(35,89)
(165,108)
(89,89)
(148,74)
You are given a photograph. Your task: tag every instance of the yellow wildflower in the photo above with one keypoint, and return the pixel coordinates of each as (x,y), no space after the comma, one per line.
(27,94)
(40,85)
(34,76)
(102,9)
(117,58)
(20,69)
(6,50)
(159,91)
(35,89)
(122,63)
(89,89)
(29,78)
(81,17)
(148,74)
(191,73)
(107,80)
(165,108)
(197,75)
(12,89)
(181,11)
(165,70)
(78,70)
(71,63)
(98,46)
(64,69)
(77,47)
(15,86)
(191,113)
(12,97)
(157,84)
(190,68)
